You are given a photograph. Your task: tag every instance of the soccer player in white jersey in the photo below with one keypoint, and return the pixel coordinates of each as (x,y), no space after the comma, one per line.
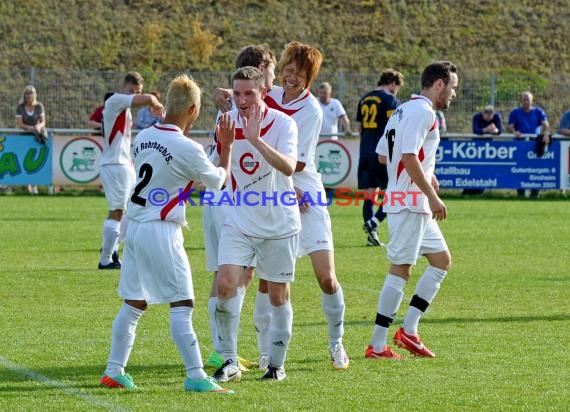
(155,265)
(298,66)
(117,174)
(408,147)
(214,213)
(264,221)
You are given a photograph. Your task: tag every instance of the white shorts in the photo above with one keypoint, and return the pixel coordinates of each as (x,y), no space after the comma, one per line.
(316,232)
(413,235)
(117,181)
(274,258)
(213,218)
(155,266)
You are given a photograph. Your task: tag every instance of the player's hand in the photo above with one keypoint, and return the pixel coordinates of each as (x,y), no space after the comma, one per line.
(226,130)
(438,208)
(157,109)
(303,206)
(223,99)
(252,124)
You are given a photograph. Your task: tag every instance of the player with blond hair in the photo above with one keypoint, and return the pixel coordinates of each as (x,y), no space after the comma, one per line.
(155,265)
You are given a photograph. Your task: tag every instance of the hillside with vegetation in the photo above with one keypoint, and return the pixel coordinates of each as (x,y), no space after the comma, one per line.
(356,36)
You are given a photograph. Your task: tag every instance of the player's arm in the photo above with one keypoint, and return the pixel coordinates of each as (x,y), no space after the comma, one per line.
(416,173)
(151,101)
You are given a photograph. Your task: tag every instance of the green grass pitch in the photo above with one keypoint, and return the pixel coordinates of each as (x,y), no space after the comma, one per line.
(499,326)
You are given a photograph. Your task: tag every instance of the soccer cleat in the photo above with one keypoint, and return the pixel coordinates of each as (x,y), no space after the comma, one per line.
(412,344)
(274,374)
(215,360)
(387,352)
(120,381)
(245,365)
(114,256)
(372,233)
(207,384)
(339,358)
(263,362)
(112,265)
(228,372)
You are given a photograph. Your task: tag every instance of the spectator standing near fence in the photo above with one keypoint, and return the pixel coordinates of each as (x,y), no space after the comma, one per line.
(529,120)
(333,111)
(116,171)
(30,117)
(374,110)
(487,121)
(409,147)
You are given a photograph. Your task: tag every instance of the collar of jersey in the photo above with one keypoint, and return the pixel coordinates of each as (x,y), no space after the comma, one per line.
(419,96)
(169,127)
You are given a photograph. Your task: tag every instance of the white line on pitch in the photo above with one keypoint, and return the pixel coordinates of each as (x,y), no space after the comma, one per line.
(69,390)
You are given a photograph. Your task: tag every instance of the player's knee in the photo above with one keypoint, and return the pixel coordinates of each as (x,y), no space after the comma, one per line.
(227,285)
(277,298)
(328,284)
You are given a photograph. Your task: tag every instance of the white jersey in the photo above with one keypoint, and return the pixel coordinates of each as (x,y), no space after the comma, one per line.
(307,113)
(263,199)
(167,163)
(332,111)
(412,128)
(117,124)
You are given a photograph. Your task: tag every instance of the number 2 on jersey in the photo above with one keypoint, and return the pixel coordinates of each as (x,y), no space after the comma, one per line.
(369,113)
(145,173)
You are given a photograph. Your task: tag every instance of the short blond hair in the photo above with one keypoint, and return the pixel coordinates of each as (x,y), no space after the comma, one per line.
(183,92)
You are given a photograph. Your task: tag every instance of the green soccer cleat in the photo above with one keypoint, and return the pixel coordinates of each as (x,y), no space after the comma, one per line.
(215,361)
(120,381)
(207,384)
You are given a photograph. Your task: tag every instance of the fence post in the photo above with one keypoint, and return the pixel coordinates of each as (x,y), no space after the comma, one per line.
(33,76)
(493,88)
(340,93)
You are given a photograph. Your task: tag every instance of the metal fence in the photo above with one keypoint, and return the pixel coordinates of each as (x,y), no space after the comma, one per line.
(69,96)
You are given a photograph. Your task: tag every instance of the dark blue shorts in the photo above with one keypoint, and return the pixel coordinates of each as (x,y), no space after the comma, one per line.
(371,173)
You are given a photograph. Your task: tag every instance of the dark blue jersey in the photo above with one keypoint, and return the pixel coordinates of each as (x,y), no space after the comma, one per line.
(374,110)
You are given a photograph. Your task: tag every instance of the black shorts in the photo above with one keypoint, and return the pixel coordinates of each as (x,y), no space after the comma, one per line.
(372,173)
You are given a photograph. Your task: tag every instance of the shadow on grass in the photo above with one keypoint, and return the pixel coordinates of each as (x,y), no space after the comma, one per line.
(498,319)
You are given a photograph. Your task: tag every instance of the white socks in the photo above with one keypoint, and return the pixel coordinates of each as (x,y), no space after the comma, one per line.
(280,333)
(388,303)
(212,301)
(262,319)
(426,290)
(183,335)
(122,339)
(333,306)
(111,231)
(227,324)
